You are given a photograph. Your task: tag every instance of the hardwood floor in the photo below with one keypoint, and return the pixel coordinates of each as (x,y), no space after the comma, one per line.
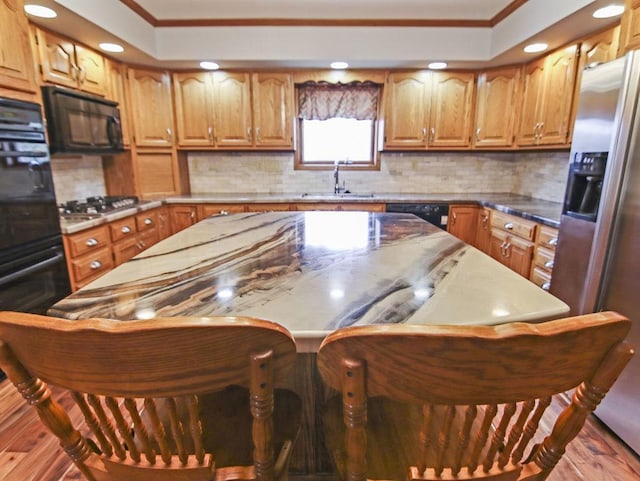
(29,453)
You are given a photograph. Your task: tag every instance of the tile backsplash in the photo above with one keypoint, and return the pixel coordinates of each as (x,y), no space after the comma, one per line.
(541,175)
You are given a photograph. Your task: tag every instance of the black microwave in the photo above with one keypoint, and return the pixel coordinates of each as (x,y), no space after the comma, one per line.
(79,123)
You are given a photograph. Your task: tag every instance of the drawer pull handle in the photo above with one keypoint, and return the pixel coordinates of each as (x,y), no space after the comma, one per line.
(125,229)
(553,242)
(148,221)
(509,226)
(549,264)
(95,265)
(91,242)
(546,286)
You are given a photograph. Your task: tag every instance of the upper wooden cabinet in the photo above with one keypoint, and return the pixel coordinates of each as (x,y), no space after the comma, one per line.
(630,27)
(63,62)
(151,107)
(16,61)
(428,109)
(600,48)
(547,100)
(234,110)
(497,94)
(117,74)
(273,109)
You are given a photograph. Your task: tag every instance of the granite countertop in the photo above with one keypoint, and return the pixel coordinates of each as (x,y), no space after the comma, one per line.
(542,211)
(315,272)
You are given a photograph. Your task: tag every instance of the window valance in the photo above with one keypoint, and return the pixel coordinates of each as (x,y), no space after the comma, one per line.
(324,100)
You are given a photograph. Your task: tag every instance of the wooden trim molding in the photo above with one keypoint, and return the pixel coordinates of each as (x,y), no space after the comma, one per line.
(322,22)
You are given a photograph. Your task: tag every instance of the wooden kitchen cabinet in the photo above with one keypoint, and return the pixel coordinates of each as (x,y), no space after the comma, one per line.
(207,210)
(64,62)
(547,99)
(462,222)
(117,91)
(88,255)
(16,60)
(273,109)
(600,48)
(340,206)
(193,93)
(164,222)
(497,93)
(511,241)
(159,172)
(544,256)
(426,109)
(182,216)
(232,109)
(483,230)
(630,27)
(151,107)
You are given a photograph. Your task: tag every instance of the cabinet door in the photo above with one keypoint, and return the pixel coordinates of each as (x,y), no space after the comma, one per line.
(57,59)
(451,97)
(406,112)
(495,113)
(520,254)
(232,109)
(560,78)
(92,71)
(117,93)
(182,216)
(273,114)
(462,222)
(533,90)
(630,27)
(497,246)
(16,61)
(600,48)
(125,250)
(164,222)
(151,108)
(194,108)
(157,173)
(483,230)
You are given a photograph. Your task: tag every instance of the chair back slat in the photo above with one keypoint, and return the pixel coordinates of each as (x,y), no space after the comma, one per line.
(477,394)
(140,429)
(144,419)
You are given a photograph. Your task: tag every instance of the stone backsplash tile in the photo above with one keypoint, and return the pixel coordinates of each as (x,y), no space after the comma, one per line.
(77,177)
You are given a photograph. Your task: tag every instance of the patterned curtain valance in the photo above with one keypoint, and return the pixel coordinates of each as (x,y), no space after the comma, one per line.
(323,100)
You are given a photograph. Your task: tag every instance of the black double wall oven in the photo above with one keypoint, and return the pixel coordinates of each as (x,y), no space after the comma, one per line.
(33,273)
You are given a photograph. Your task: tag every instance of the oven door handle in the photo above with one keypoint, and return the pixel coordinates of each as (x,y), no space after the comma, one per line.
(31,269)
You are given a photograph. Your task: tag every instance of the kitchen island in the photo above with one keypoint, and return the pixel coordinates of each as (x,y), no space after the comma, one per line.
(314,272)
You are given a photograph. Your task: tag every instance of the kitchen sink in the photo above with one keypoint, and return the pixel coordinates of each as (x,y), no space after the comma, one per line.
(342,195)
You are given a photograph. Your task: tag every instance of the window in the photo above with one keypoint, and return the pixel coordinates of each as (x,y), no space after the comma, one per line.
(337,122)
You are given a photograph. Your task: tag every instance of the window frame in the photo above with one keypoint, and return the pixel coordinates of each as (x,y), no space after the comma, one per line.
(373,164)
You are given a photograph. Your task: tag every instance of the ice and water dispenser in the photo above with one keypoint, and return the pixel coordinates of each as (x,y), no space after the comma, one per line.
(584,185)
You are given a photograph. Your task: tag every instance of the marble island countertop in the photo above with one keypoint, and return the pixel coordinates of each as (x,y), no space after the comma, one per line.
(538,210)
(314,272)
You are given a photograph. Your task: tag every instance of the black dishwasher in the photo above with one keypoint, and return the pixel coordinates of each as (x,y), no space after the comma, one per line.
(436,214)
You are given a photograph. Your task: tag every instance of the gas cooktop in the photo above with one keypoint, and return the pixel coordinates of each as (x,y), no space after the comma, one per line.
(93,207)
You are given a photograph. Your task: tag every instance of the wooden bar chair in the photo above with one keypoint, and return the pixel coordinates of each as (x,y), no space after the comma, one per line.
(460,402)
(189,399)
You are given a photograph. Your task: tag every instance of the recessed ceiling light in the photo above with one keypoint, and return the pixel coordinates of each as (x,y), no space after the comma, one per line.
(40,11)
(437,65)
(339,65)
(536,47)
(609,11)
(209,65)
(111,47)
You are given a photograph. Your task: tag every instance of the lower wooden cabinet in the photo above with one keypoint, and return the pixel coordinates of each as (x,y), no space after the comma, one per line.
(544,256)
(207,210)
(462,222)
(483,230)
(512,251)
(182,216)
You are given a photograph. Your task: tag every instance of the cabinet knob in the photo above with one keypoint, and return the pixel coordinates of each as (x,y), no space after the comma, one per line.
(169,135)
(549,264)
(433,135)
(147,221)
(478,134)
(125,229)
(553,241)
(95,265)
(454,217)
(546,286)
(91,242)
(509,226)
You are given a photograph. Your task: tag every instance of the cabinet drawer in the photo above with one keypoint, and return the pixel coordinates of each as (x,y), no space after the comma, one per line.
(548,236)
(207,210)
(147,238)
(123,228)
(515,225)
(125,250)
(544,258)
(274,207)
(541,278)
(87,240)
(91,265)
(146,220)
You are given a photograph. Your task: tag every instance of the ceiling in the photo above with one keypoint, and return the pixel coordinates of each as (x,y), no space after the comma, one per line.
(258,34)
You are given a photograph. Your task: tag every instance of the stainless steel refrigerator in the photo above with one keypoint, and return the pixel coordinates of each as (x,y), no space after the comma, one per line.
(598,254)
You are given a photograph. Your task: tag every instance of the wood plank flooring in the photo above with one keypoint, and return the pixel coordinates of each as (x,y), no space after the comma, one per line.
(29,453)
